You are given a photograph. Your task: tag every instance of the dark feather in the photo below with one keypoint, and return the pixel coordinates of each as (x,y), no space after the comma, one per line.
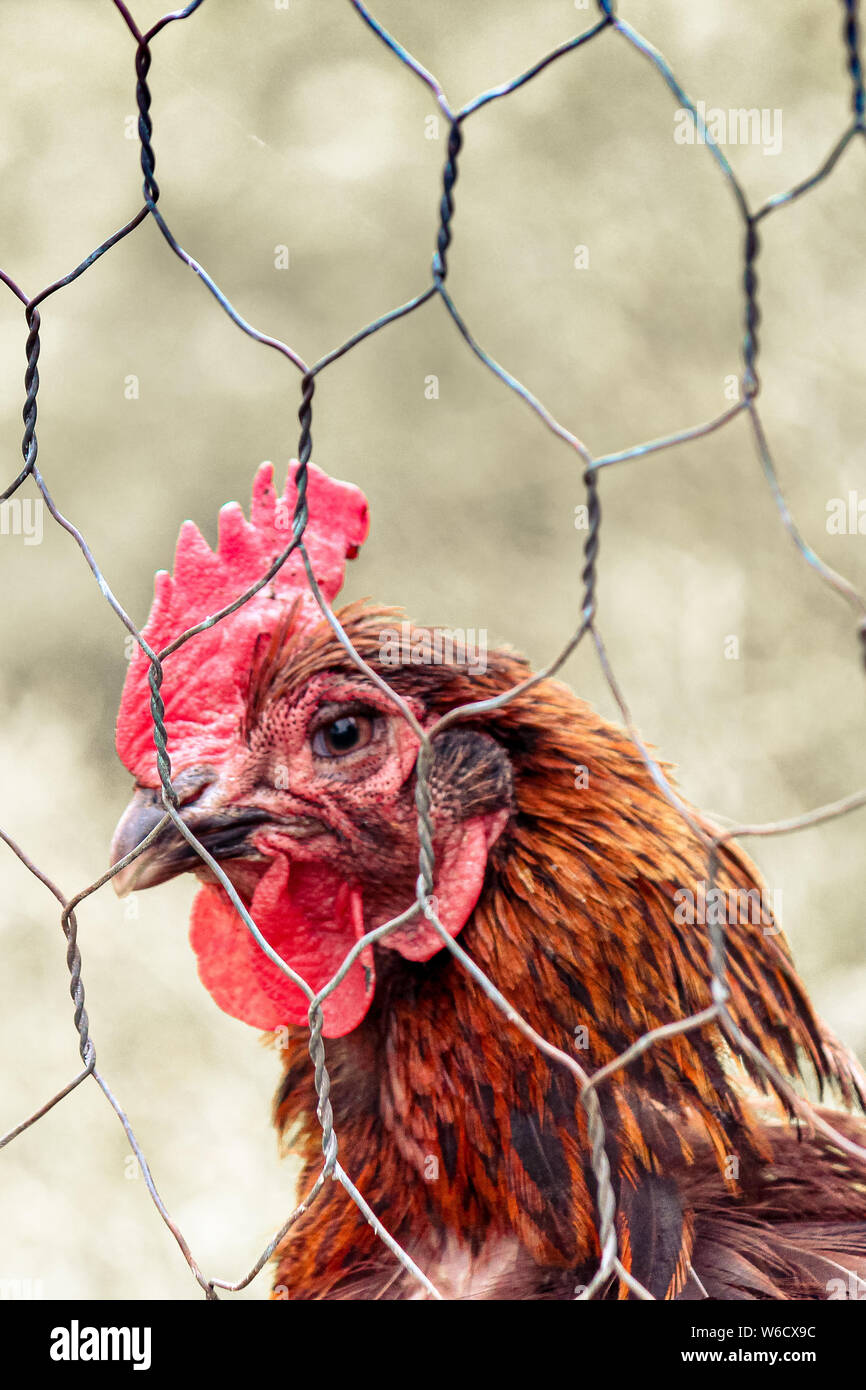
(653,1226)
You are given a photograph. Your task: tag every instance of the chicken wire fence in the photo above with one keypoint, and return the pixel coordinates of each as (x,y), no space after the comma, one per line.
(717,1012)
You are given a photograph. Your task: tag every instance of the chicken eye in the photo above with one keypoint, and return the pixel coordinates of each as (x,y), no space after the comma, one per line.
(343,735)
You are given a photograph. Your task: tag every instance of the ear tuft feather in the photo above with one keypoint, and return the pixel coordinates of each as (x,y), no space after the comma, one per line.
(204,685)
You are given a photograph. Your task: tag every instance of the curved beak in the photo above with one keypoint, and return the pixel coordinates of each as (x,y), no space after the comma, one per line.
(224,832)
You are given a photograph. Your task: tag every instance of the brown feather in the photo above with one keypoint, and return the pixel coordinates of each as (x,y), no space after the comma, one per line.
(577,927)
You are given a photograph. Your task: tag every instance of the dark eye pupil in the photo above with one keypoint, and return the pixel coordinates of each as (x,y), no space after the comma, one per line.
(346,734)
(343,733)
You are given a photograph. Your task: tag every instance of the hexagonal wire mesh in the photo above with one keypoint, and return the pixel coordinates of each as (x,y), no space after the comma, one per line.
(608,28)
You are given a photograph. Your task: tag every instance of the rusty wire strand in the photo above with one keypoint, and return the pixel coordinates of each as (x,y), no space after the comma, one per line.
(610,1266)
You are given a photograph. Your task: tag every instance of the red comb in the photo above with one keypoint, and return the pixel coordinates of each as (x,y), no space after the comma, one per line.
(204,684)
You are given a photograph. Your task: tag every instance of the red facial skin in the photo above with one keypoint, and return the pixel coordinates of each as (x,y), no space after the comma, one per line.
(335,856)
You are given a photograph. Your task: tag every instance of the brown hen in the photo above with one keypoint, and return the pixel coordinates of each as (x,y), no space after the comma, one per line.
(571,881)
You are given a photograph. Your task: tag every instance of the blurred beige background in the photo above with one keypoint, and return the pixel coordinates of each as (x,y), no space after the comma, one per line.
(293,126)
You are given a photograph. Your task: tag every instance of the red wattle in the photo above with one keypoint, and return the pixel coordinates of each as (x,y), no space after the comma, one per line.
(459,877)
(312,918)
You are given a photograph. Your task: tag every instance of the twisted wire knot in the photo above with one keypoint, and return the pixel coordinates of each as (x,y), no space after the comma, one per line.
(446,203)
(160,735)
(145,124)
(426,855)
(29,444)
(753,313)
(589,573)
(324,1112)
(305,448)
